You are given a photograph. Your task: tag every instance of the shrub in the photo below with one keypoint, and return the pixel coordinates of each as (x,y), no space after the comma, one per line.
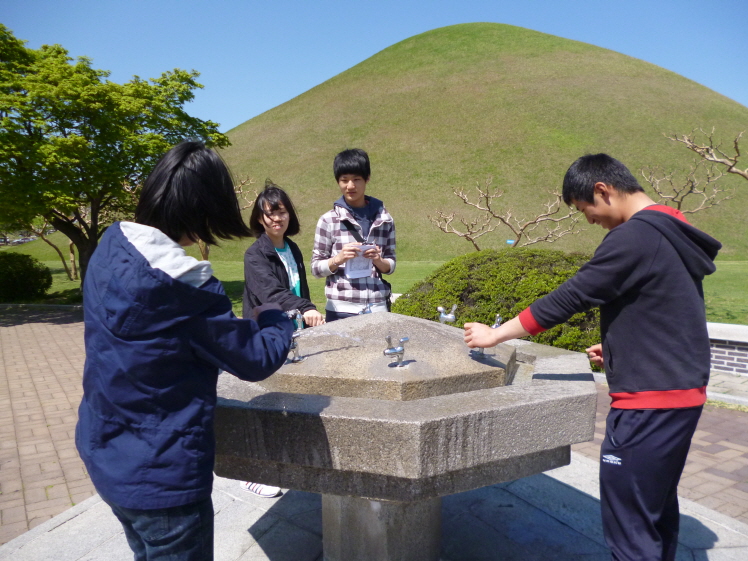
(490,282)
(22,277)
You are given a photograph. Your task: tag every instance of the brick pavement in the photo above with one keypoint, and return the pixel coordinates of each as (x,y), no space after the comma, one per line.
(716,472)
(41,362)
(41,475)
(729,384)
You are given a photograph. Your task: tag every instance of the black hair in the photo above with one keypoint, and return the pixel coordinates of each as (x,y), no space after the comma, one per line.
(580,179)
(190,193)
(353,161)
(273,197)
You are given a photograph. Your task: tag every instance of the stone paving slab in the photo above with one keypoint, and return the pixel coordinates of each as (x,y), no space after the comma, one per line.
(41,476)
(546,516)
(726,384)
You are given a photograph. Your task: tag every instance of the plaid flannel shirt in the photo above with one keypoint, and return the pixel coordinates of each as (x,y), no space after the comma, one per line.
(344,294)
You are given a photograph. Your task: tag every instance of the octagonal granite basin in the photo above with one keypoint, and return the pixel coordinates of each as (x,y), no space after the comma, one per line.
(346,359)
(347,422)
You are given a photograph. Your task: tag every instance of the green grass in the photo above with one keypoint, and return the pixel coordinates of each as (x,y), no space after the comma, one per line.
(723,405)
(40,250)
(726,293)
(63,290)
(450,107)
(231,274)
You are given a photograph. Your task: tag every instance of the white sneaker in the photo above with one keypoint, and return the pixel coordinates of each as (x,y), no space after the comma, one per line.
(261,490)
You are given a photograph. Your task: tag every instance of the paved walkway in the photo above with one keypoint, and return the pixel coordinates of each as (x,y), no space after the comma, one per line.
(41,476)
(716,472)
(41,362)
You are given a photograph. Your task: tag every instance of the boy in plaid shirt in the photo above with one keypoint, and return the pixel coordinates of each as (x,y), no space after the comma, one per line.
(355,220)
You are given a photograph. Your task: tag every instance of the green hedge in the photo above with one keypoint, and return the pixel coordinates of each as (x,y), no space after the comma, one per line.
(22,278)
(490,282)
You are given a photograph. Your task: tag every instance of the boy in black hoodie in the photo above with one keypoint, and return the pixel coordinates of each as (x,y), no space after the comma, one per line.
(646,277)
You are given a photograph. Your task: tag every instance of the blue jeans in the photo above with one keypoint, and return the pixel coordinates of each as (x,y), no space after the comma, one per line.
(331,315)
(180,533)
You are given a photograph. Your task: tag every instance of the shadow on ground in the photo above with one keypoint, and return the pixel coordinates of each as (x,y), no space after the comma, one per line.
(19,315)
(535,518)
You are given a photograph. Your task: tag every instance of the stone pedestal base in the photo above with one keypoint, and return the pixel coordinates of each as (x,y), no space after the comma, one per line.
(366,530)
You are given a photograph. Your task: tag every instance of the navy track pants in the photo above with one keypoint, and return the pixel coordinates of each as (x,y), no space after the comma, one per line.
(641,461)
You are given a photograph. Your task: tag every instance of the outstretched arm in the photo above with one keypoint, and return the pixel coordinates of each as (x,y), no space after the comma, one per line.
(249,349)
(480,335)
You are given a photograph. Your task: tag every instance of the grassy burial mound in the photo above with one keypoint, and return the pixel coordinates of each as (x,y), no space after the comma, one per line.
(453,106)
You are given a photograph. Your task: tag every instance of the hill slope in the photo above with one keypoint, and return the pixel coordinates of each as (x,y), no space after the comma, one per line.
(452,106)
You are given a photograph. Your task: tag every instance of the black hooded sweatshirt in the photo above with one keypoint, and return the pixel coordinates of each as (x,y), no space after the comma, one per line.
(646,277)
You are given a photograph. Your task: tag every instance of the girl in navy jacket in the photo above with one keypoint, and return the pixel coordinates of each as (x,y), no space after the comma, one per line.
(158,329)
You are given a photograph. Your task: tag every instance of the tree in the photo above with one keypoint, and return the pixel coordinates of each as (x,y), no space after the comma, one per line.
(40,227)
(6,229)
(555,224)
(75,147)
(700,184)
(711,151)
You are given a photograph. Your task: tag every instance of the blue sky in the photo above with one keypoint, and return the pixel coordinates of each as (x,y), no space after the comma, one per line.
(255,55)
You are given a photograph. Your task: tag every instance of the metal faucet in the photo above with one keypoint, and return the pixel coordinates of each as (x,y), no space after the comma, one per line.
(446,317)
(396,352)
(298,321)
(478,352)
(295,347)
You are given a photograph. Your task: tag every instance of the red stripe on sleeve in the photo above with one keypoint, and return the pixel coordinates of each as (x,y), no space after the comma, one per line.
(529,323)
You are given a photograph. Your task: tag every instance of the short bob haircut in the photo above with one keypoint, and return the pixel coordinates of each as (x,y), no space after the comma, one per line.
(271,198)
(190,193)
(580,179)
(354,162)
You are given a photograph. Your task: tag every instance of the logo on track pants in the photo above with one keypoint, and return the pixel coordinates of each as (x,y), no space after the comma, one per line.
(611,459)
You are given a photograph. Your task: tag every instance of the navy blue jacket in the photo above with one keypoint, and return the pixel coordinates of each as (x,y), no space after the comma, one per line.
(646,277)
(154,347)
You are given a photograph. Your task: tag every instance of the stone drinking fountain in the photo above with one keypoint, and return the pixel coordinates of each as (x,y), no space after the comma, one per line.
(384,414)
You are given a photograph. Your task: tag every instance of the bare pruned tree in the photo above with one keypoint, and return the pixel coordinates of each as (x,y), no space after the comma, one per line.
(246,199)
(243,194)
(547,226)
(40,229)
(711,151)
(697,189)
(471,231)
(699,186)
